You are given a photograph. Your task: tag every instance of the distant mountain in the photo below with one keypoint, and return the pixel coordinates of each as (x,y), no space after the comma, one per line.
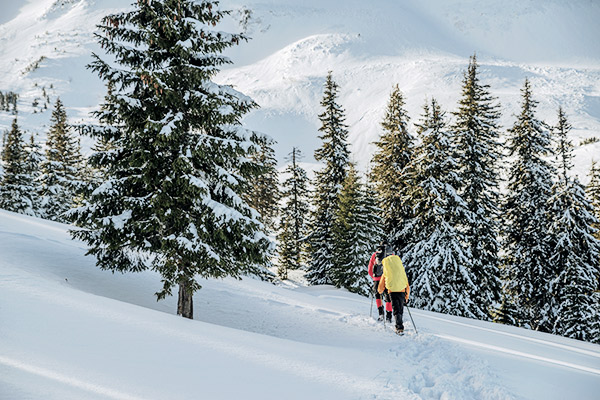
(369,46)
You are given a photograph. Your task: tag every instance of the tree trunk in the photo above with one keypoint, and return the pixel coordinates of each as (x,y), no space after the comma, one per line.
(185,304)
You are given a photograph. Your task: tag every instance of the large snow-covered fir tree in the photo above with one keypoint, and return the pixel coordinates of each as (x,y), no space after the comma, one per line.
(335,155)
(292,232)
(178,170)
(574,308)
(354,238)
(436,259)
(17,186)
(559,207)
(576,303)
(394,151)
(476,135)
(528,269)
(264,194)
(62,167)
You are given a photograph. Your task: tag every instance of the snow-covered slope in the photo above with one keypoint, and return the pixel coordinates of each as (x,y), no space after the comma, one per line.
(71,331)
(424,47)
(421,45)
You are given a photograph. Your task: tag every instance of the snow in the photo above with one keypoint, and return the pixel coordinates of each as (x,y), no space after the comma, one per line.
(118,221)
(70,331)
(170,123)
(422,46)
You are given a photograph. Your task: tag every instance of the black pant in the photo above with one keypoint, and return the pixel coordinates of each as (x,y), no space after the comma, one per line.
(398,307)
(385,292)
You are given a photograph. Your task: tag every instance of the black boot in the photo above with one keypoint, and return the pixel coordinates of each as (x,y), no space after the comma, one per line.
(380,313)
(388,316)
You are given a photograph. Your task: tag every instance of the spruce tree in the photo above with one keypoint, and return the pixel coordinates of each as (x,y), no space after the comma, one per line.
(334,154)
(62,168)
(33,163)
(505,313)
(264,195)
(394,151)
(293,218)
(593,192)
(16,186)
(477,152)
(180,168)
(4,139)
(559,206)
(436,258)
(564,147)
(574,308)
(354,239)
(528,270)
(371,221)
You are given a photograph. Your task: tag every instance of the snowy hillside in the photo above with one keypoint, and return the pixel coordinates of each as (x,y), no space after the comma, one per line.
(421,45)
(424,47)
(72,331)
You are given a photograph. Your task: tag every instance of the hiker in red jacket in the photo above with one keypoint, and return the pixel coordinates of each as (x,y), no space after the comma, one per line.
(376,270)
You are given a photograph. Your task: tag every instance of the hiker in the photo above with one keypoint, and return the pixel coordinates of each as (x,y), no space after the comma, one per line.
(376,270)
(394,280)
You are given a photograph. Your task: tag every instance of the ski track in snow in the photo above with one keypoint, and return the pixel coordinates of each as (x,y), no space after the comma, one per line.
(519,353)
(521,337)
(420,385)
(451,364)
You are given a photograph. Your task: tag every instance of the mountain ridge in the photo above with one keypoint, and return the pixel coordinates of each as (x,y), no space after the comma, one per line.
(424,47)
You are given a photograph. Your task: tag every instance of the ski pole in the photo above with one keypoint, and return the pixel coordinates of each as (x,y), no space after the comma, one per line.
(371,311)
(411,318)
(384,297)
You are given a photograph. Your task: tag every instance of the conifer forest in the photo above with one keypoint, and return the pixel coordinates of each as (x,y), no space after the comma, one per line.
(489,220)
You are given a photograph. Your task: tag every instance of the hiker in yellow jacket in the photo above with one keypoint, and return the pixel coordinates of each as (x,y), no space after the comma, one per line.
(395,281)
